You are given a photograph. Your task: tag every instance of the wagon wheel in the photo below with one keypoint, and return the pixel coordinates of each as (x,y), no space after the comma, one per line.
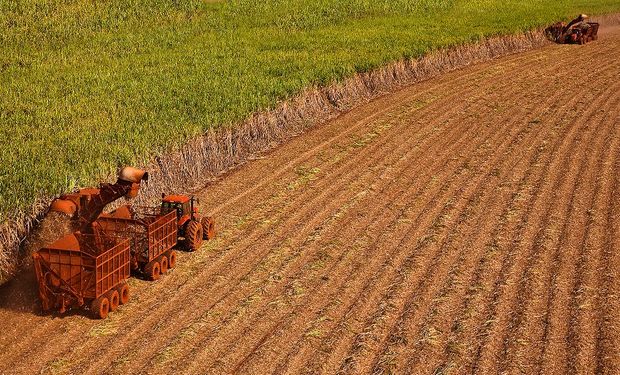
(193,236)
(163,261)
(123,293)
(172,259)
(101,307)
(208,226)
(114,300)
(153,270)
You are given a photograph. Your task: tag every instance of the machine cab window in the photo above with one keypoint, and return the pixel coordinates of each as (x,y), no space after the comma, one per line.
(181,208)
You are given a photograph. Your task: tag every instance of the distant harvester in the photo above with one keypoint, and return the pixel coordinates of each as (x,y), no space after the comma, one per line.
(577,31)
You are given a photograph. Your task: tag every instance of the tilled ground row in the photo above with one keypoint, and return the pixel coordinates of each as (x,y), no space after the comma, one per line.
(464,224)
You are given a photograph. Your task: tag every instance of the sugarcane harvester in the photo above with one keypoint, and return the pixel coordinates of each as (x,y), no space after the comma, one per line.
(85,206)
(577,31)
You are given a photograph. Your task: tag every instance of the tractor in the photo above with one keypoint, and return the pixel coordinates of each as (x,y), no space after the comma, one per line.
(191,225)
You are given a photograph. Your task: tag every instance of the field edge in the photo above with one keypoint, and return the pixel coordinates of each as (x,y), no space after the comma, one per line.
(220,150)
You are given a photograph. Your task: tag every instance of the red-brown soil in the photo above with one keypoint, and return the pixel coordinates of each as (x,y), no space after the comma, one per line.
(466,224)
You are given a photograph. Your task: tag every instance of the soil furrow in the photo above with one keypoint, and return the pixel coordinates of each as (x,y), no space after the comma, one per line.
(550,296)
(441,308)
(607,325)
(586,291)
(510,290)
(323,351)
(369,216)
(467,223)
(461,221)
(401,331)
(455,342)
(340,331)
(494,266)
(423,296)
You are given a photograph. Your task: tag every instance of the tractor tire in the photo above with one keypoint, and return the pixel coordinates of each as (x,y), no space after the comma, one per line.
(193,236)
(208,228)
(163,263)
(153,270)
(123,293)
(100,307)
(172,258)
(114,299)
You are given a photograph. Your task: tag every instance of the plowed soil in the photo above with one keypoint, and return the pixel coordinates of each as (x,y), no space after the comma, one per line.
(466,224)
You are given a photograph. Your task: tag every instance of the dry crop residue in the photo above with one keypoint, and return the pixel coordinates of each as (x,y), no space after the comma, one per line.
(466,224)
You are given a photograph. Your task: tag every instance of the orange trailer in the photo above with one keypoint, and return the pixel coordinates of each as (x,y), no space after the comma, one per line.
(151,236)
(81,269)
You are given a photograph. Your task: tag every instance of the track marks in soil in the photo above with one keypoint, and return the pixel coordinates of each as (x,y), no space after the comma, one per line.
(464,224)
(372,246)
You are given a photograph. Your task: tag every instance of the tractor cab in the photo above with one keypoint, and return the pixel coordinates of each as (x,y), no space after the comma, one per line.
(182,204)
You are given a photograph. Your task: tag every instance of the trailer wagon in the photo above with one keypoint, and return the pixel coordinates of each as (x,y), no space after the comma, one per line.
(82,269)
(151,235)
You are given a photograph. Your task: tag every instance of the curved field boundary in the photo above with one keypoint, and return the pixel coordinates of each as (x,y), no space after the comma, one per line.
(220,150)
(464,224)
